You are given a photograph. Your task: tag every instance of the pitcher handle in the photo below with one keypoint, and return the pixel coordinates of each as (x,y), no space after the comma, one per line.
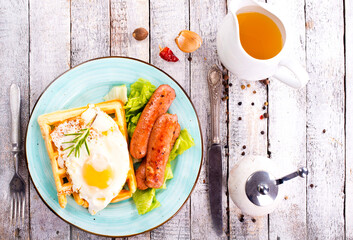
(292,73)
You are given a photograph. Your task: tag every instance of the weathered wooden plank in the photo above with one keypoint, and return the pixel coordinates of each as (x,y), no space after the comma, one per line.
(245,126)
(126,16)
(168,18)
(245,138)
(14,47)
(349,119)
(49,57)
(90,30)
(325,120)
(287,131)
(204,19)
(90,38)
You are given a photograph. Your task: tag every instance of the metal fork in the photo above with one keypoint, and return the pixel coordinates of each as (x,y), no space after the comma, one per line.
(17,185)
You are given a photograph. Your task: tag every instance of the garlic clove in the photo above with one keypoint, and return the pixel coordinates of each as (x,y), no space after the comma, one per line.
(188,41)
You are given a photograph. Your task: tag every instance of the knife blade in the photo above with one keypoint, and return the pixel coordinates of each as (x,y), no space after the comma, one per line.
(215,151)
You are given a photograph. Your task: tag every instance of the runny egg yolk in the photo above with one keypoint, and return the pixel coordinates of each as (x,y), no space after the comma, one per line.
(95,178)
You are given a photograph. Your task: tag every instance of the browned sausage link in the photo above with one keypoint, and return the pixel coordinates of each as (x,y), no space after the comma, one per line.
(159,146)
(158,104)
(141,176)
(176,134)
(141,171)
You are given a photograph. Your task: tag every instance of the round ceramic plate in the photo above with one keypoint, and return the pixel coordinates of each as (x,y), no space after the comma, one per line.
(88,83)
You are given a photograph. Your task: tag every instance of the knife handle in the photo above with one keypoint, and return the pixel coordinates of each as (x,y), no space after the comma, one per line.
(215,87)
(15,101)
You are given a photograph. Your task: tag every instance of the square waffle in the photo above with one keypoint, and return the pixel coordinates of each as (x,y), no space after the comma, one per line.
(47,123)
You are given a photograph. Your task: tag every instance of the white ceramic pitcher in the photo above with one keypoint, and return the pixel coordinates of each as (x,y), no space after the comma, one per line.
(239,62)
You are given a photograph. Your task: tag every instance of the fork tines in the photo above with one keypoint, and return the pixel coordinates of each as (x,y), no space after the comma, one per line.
(17,210)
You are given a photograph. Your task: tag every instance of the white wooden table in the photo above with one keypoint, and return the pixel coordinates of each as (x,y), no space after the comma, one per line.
(40,39)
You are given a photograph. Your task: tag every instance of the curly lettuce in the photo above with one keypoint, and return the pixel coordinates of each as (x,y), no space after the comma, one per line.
(140,92)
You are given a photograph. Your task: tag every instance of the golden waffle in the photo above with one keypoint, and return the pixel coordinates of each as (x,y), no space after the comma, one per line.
(63,184)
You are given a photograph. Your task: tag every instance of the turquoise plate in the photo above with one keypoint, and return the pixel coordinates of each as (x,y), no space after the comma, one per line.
(88,83)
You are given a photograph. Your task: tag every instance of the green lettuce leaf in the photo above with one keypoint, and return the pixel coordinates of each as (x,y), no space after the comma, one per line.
(183,143)
(146,200)
(140,92)
(117,92)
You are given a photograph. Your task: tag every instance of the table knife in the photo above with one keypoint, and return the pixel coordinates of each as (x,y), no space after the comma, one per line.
(215,150)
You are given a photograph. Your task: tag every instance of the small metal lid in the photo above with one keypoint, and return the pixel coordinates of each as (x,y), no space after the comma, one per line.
(261,188)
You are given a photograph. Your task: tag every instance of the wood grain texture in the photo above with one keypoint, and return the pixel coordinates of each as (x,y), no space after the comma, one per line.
(204,19)
(90,38)
(287,131)
(167,19)
(126,16)
(349,119)
(13,69)
(90,30)
(325,110)
(49,57)
(245,138)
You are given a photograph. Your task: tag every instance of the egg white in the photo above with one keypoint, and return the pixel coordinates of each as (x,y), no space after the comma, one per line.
(108,149)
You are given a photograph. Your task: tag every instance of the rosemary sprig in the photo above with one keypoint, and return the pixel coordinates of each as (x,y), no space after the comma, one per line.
(81,139)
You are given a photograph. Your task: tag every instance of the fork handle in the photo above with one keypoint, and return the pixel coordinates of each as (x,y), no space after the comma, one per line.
(15,101)
(15,160)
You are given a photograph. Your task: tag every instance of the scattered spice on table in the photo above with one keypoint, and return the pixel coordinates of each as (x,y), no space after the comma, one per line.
(140,34)
(243,153)
(263,108)
(253,220)
(285,197)
(262,132)
(324,131)
(239,103)
(241,218)
(252,104)
(254,92)
(265,81)
(261,117)
(239,118)
(312,185)
(244,147)
(230,84)
(266,103)
(265,115)
(248,85)
(167,54)
(188,41)
(189,58)
(242,87)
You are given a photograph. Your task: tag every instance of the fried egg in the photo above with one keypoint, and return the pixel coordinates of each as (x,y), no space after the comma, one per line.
(100,174)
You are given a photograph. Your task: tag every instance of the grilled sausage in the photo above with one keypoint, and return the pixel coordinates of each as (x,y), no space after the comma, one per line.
(159,147)
(141,176)
(158,104)
(176,134)
(141,171)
